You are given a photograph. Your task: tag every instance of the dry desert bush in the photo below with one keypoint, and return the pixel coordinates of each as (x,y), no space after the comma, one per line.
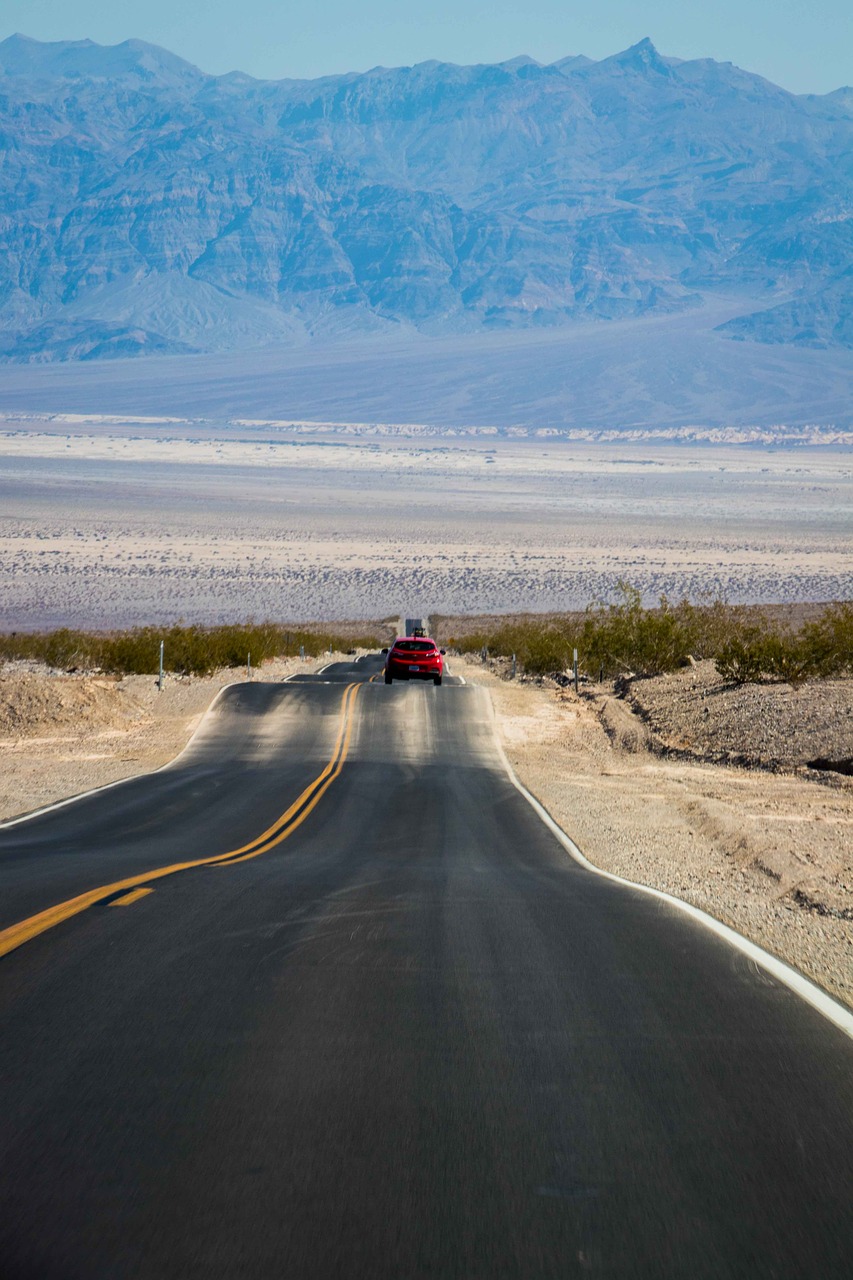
(191,650)
(622,637)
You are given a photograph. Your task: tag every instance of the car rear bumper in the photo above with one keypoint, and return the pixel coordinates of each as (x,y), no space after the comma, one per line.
(396,673)
(402,673)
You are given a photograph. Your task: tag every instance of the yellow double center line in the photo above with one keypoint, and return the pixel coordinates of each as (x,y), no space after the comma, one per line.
(17,934)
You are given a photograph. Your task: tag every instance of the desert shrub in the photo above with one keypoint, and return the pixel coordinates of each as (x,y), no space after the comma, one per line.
(474,643)
(764,651)
(63,648)
(741,660)
(15,645)
(618,636)
(830,640)
(790,659)
(623,636)
(191,650)
(134,652)
(711,624)
(538,647)
(542,650)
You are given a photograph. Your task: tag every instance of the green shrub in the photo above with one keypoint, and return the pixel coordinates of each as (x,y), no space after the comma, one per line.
(711,624)
(543,651)
(830,640)
(789,659)
(192,650)
(626,637)
(623,636)
(820,649)
(741,660)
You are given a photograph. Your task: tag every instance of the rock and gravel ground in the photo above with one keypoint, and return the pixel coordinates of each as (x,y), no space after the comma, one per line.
(769,853)
(772,726)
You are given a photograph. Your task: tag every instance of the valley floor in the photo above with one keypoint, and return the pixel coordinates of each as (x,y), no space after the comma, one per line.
(112,526)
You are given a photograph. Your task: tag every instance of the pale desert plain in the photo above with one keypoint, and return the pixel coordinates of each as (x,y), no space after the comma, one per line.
(118,522)
(107,523)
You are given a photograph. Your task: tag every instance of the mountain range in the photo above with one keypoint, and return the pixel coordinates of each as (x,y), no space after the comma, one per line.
(147,207)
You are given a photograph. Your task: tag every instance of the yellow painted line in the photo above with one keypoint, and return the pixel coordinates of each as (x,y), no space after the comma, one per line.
(272,835)
(127,898)
(324,781)
(17,934)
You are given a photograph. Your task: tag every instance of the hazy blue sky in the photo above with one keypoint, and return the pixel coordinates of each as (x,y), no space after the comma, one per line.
(804,45)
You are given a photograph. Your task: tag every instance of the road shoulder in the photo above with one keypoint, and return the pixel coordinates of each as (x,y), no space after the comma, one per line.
(767,854)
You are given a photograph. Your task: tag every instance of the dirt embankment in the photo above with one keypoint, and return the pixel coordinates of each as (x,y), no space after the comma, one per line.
(645,796)
(696,714)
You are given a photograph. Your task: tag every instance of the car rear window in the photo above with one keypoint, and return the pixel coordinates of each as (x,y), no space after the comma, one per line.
(415,646)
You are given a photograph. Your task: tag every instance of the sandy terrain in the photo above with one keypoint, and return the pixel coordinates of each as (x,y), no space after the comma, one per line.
(768,853)
(115,524)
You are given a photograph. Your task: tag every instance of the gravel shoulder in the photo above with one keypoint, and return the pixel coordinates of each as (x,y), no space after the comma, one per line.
(769,853)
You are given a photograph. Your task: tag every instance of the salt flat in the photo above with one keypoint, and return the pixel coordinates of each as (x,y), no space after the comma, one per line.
(111,523)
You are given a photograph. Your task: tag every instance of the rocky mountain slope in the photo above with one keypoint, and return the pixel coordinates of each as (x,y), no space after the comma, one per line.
(148,207)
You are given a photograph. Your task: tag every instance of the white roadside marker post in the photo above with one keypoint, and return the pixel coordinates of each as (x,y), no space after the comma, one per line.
(248,666)
(514,666)
(160,679)
(575,668)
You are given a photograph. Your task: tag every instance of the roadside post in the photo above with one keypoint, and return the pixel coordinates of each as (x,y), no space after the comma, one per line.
(514,666)
(302,653)
(248,666)
(575,668)
(160,679)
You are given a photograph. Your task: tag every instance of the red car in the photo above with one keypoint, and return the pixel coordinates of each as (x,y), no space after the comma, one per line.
(414,658)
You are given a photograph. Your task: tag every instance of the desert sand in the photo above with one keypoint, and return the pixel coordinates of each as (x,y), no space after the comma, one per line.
(111,523)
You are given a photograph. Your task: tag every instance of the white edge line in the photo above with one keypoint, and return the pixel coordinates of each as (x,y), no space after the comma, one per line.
(119,782)
(831,1009)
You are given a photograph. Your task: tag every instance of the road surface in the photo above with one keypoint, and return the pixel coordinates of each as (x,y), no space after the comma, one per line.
(326,998)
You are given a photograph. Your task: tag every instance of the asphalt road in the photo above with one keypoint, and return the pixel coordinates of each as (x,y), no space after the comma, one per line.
(394,1031)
